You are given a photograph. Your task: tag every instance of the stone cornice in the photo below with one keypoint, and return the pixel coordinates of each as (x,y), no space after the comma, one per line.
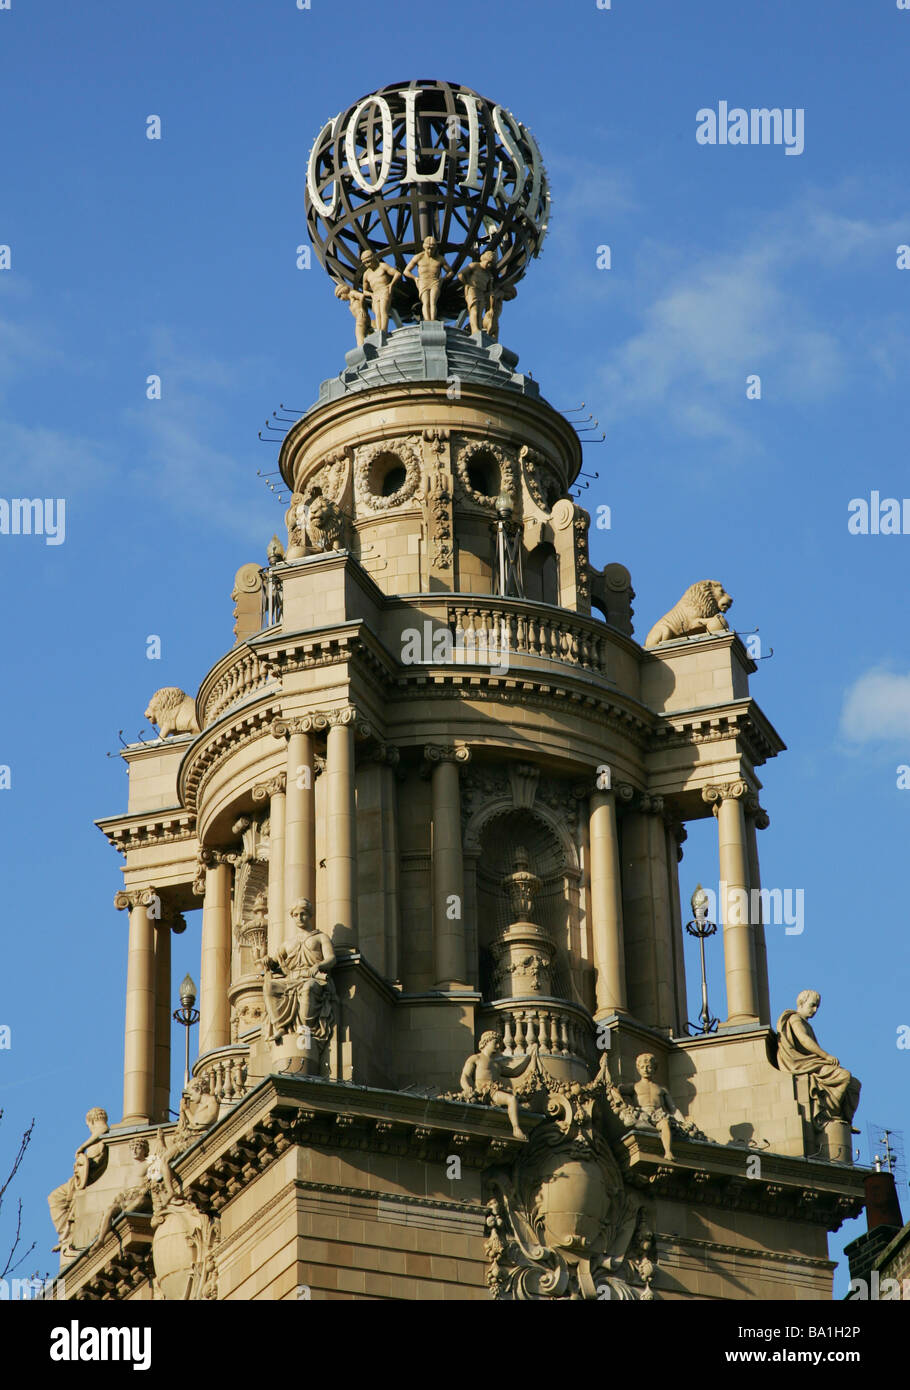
(148,828)
(203,758)
(118,1267)
(282,1111)
(791,1188)
(742,720)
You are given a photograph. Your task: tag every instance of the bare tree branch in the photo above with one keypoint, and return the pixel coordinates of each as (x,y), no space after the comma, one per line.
(12,1263)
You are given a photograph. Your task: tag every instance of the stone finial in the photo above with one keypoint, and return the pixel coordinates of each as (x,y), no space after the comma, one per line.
(172,711)
(701,609)
(522,886)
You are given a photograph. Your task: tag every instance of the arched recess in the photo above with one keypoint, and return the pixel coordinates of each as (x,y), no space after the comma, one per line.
(492,836)
(541,574)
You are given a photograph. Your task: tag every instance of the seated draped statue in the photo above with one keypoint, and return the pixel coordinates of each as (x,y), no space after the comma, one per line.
(89,1163)
(297,988)
(835,1090)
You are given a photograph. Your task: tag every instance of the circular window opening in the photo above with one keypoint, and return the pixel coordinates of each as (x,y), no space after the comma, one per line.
(388,475)
(394,480)
(483,475)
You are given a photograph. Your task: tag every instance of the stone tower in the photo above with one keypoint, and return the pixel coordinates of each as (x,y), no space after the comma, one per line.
(432,803)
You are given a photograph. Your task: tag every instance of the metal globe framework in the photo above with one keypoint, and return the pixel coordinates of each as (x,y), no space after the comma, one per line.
(419,159)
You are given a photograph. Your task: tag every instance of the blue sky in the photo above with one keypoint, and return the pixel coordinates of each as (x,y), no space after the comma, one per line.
(177,257)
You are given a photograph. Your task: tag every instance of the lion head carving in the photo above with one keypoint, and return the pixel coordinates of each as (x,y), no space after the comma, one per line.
(701,609)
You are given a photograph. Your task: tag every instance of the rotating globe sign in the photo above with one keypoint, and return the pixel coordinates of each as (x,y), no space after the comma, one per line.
(425,200)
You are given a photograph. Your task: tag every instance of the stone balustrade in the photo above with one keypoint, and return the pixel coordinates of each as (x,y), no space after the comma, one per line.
(487,629)
(242,675)
(224,1073)
(559,1029)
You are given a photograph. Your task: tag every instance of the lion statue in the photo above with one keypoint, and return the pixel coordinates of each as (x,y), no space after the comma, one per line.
(701,609)
(172,711)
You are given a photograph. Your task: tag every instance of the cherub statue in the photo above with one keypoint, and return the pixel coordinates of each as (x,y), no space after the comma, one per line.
(486,1071)
(478,278)
(356,301)
(198,1110)
(798,1051)
(378,279)
(430,265)
(136,1195)
(655,1102)
(89,1163)
(297,989)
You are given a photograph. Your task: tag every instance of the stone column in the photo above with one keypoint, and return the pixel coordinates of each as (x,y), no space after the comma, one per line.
(449,965)
(676,835)
(758,819)
(341,827)
(300,811)
(606,906)
(387,773)
(139,1033)
(215,975)
(377,859)
(650,966)
(162,1095)
(726,801)
(274,792)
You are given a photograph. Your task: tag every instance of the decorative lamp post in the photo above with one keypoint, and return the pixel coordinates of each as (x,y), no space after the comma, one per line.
(187,1015)
(701,928)
(508,550)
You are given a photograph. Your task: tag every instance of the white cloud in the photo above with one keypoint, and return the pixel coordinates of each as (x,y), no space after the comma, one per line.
(877,707)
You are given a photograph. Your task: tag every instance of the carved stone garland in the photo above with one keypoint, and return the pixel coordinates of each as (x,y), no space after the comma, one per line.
(408,452)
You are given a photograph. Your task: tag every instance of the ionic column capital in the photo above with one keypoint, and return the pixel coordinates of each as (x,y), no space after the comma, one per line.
(349,716)
(134,897)
(158,911)
(314,723)
(210,859)
(636,800)
(715,793)
(263,791)
(436,753)
(381,752)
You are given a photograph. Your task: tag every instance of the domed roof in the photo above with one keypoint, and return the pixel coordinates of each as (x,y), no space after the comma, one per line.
(427,351)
